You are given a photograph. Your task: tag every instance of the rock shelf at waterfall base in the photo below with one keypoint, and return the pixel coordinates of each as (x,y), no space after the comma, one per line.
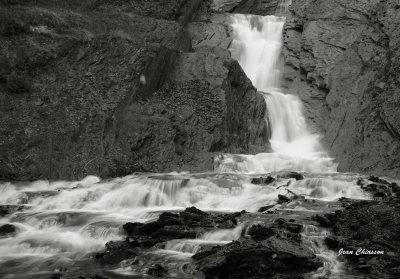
(172,139)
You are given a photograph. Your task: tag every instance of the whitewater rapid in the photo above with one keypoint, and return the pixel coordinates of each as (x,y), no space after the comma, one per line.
(63,221)
(59,223)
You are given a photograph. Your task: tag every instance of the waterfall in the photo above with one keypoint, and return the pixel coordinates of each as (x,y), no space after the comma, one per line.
(257,46)
(58,223)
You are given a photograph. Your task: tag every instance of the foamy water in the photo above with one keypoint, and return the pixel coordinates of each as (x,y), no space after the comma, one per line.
(63,221)
(257,46)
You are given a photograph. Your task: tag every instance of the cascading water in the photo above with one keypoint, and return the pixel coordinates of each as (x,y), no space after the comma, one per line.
(59,223)
(257,46)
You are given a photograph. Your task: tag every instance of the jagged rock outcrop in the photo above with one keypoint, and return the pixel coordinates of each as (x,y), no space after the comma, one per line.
(375,224)
(255,7)
(113,87)
(342,59)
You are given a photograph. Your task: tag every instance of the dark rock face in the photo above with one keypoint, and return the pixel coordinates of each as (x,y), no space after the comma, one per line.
(342,59)
(113,87)
(255,7)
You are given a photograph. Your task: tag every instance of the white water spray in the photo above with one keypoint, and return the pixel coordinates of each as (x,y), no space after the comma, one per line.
(69,219)
(62,221)
(257,46)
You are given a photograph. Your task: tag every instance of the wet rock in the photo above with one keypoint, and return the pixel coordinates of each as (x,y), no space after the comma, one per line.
(332,242)
(378,180)
(272,258)
(380,195)
(380,188)
(7,230)
(262,180)
(291,227)
(348,81)
(283,199)
(294,227)
(259,232)
(27,197)
(92,277)
(157,270)
(323,220)
(186,224)
(265,208)
(375,224)
(9,209)
(361,181)
(115,252)
(291,174)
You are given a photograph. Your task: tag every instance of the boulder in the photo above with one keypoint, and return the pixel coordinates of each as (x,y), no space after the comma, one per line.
(265,208)
(272,258)
(187,224)
(7,230)
(157,270)
(283,199)
(115,252)
(263,180)
(290,174)
(259,232)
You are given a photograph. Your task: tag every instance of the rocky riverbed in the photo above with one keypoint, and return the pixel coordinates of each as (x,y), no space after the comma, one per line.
(149,97)
(299,233)
(294,238)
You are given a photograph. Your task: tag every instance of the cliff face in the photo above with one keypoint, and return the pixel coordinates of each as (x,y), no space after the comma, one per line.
(343,60)
(255,7)
(113,87)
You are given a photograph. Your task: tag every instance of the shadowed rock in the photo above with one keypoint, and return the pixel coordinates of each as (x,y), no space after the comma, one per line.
(110,88)
(342,60)
(157,270)
(262,180)
(7,230)
(187,224)
(375,224)
(249,259)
